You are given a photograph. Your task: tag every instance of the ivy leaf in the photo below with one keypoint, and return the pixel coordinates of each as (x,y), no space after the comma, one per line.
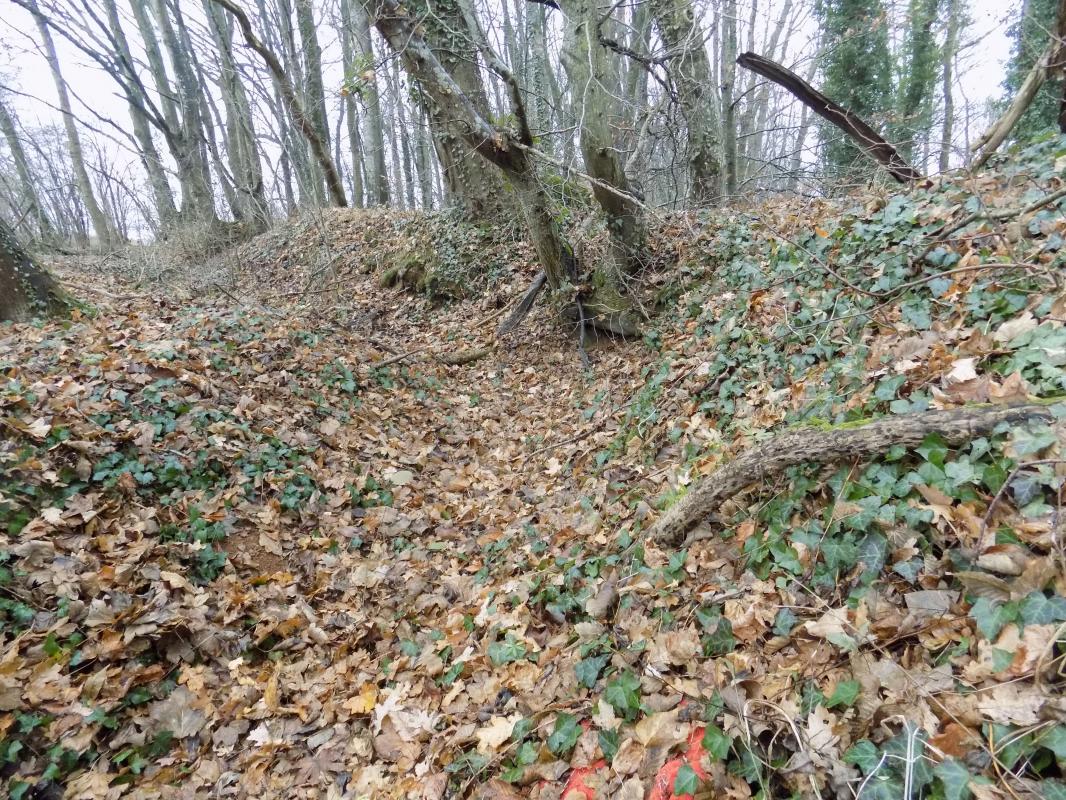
(624,693)
(565,734)
(784,622)
(1038,609)
(864,755)
(510,649)
(1055,741)
(955,778)
(588,670)
(686,781)
(716,742)
(991,616)
(845,694)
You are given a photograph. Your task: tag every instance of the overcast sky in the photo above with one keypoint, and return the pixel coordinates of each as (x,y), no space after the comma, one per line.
(23,69)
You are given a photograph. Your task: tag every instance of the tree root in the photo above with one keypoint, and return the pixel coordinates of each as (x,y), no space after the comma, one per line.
(819,447)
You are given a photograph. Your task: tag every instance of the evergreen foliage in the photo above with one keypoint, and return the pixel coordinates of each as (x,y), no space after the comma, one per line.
(1029,34)
(918,71)
(857,69)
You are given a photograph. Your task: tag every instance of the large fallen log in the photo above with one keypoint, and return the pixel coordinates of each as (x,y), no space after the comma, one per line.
(823,446)
(868,140)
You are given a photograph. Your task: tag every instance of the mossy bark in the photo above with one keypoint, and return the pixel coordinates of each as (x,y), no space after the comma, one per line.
(26,288)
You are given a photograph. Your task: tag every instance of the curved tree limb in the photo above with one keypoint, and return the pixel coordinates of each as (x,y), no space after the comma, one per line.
(868,140)
(1051,62)
(820,447)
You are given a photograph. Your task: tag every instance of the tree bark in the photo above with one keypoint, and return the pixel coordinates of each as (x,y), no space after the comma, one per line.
(947,68)
(815,446)
(864,136)
(26,288)
(690,72)
(242,148)
(102,227)
(377,178)
(589,67)
(351,110)
(729,118)
(321,151)
(35,210)
(472,185)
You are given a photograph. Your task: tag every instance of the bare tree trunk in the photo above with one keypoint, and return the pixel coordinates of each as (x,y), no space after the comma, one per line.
(321,152)
(165,208)
(729,122)
(404,137)
(588,66)
(102,227)
(950,50)
(473,185)
(35,209)
(26,289)
(198,198)
(377,177)
(351,110)
(314,92)
(693,81)
(242,149)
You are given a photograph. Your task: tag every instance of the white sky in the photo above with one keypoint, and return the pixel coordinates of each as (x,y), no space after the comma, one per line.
(22,68)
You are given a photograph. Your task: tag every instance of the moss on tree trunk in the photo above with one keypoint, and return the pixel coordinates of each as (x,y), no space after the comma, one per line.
(26,288)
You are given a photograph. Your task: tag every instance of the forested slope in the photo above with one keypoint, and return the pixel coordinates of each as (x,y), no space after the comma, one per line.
(273,540)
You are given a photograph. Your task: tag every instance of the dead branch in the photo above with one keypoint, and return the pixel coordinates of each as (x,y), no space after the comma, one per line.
(461,357)
(869,140)
(524,305)
(823,446)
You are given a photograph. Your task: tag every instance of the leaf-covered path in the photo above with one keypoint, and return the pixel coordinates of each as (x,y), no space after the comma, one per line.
(251,551)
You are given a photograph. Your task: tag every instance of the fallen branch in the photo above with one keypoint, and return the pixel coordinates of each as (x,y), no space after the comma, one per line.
(869,140)
(524,305)
(461,357)
(820,447)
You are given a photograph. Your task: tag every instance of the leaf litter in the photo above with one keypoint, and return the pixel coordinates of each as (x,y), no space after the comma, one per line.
(274,547)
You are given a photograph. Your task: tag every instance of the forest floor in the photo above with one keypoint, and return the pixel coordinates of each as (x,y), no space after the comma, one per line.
(265,540)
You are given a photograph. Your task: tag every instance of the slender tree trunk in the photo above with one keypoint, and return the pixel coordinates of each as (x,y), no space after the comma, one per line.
(951,47)
(729,69)
(314,92)
(198,198)
(243,149)
(403,137)
(693,81)
(26,288)
(424,164)
(102,227)
(321,152)
(377,177)
(588,66)
(35,210)
(351,109)
(165,208)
